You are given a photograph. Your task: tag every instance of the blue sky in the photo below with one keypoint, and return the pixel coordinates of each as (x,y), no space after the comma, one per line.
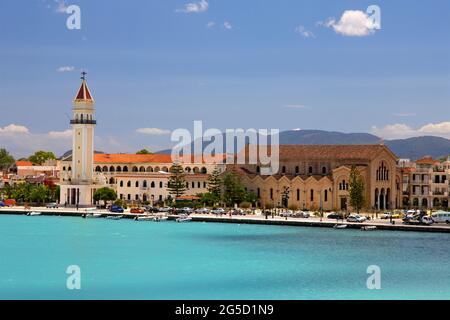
(232,64)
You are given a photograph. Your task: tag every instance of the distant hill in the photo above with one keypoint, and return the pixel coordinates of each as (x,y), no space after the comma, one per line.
(413,148)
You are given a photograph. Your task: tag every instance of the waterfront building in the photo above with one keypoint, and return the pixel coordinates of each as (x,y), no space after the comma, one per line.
(317,177)
(426,184)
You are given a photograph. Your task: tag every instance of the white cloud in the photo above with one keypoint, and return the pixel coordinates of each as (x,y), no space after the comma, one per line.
(353,23)
(61,6)
(153,131)
(65,69)
(227,25)
(60,134)
(195,7)
(210,24)
(301,30)
(400,131)
(13,129)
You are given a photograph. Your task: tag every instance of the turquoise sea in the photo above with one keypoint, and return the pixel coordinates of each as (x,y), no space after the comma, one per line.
(146,260)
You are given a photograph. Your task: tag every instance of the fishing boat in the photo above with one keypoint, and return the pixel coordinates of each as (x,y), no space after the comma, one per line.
(33,214)
(340,226)
(114,217)
(369,228)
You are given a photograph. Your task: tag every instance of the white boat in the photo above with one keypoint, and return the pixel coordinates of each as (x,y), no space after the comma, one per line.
(92,215)
(184,219)
(369,228)
(144,218)
(33,214)
(114,217)
(160,219)
(340,226)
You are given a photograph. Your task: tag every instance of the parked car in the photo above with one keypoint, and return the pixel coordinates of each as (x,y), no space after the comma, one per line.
(335,216)
(301,214)
(52,205)
(137,211)
(202,211)
(188,210)
(116,209)
(219,211)
(238,212)
(2,204)
(151,209)
(286,214)
(356,218)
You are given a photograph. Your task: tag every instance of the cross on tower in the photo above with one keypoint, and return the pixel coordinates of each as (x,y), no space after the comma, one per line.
(83,75)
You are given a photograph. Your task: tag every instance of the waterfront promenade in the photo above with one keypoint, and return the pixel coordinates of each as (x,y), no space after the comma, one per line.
(249,219)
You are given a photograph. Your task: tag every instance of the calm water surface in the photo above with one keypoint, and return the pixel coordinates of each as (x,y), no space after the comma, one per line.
(146,260)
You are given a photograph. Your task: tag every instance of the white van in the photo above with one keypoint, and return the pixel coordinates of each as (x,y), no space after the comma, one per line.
(441,217)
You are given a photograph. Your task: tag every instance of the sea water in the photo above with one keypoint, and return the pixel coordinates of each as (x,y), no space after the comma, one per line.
(145,260)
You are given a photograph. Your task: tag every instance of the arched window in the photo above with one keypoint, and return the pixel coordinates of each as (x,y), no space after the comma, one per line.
(112,169)
(98,169)
(105,169)
(312,195)
(326,195)
(119,169)
(283,170)
(165,169)
(137,184)
(297,170)
(141,169)
(157,169)
(125,169)
(188,169)
(271,194)
(258,169)
(310,170)
(111,181)
(298,194)
(64,168)
(144,184)
(324,170)
(196,170)
(199,185)
(121,183)
(149,169)
(135,169)
(204,170)
(193,184)
(161,185)
(129,184)
(153,185)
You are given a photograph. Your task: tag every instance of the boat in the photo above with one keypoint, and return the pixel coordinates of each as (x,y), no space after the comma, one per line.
(144,218)
(92,215)
(184,219)
(33,214)
(160,219)
(114,217)
(369,228)
(340,226)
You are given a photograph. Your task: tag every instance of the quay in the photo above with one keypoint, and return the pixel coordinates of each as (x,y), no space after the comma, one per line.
(260,220)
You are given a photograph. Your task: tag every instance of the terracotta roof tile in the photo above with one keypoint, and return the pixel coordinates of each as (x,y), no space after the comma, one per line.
(24,164)
(133,158)
(428,161)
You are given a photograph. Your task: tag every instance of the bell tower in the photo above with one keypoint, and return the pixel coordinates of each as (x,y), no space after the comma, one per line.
(78,190)
(83,124)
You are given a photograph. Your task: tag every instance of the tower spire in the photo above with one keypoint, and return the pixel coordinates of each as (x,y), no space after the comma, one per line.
(84,94)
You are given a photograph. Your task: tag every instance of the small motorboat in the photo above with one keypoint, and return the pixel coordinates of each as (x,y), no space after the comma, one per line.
(144,218)
(369,228)
(340,226)
(34,214)
(92,215)
(184,219)
(160,219)
(114,217)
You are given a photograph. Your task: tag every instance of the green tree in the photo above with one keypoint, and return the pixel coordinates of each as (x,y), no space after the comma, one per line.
(143,151)
(234,192)
(105,194)
(215,185)
(177,183)
(6,160)
(356,189)
(40,157)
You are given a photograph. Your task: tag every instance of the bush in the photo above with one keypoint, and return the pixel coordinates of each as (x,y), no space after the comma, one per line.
(246,205)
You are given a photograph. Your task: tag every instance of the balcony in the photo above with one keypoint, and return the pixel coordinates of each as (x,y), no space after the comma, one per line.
(78,121)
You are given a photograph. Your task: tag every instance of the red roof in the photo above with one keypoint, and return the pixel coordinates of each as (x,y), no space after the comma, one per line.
(429,161)
(24,164)
(133,158)
(84,94)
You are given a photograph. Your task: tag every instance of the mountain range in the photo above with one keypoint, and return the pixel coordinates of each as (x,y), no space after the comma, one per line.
(411,148)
